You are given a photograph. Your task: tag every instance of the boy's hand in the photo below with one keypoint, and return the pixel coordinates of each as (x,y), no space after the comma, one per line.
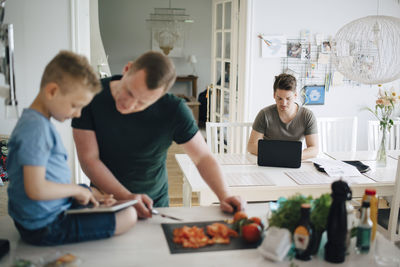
(105,199)
(84,196)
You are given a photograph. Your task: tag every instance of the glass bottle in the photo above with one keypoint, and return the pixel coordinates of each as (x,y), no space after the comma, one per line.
(370,196)
(302,234)
(364,230)
(335,248)
(350,224)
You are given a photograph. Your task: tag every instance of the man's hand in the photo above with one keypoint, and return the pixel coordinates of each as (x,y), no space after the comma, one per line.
(144,205)
(232,204)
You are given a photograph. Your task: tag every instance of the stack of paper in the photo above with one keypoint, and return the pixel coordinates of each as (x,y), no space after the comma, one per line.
(248,179)
(236,159)
(336,168)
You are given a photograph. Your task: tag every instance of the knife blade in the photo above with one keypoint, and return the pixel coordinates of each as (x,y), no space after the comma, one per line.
(156,212)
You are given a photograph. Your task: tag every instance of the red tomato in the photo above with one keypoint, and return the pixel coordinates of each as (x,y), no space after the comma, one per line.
(239,215)
(251,232)
(257,221)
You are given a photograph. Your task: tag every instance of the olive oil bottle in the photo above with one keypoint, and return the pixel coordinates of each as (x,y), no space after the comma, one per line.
(302,234)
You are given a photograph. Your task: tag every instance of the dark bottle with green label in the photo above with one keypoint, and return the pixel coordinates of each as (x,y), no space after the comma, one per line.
(302,234)
(364,229)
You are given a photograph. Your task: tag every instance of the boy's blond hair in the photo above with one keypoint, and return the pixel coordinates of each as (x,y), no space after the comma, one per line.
(67,67)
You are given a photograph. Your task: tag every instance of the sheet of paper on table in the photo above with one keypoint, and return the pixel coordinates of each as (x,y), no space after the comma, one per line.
(236,159)
(313,178)
(247,179)
(336,168)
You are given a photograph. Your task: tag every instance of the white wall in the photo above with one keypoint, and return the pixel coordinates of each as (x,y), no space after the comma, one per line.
(126,35)
(289,17)
(41,29)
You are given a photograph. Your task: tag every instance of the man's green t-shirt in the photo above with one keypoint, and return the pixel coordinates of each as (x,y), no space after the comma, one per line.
(134,146)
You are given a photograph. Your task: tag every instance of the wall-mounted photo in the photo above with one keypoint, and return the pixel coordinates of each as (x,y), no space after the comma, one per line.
(326,47)
(294,50)
(314,95)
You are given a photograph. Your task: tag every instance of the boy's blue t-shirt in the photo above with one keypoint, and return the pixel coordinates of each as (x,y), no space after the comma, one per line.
(35,142)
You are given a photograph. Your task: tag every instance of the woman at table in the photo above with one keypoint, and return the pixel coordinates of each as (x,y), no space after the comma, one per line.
(285,120)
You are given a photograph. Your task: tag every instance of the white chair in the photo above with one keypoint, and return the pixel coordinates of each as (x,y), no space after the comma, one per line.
(374,136)
(337,134)
(388,221)
(228,137)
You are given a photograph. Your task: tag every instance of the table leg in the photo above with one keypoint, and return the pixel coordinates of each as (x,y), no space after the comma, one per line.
(186,193)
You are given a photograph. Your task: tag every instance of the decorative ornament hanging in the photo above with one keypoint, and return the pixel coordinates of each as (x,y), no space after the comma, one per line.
(367,50)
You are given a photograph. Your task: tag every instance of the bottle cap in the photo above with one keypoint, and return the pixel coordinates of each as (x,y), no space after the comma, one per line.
(370,191)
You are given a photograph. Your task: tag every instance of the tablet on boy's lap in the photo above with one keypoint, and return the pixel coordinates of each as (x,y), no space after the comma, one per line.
(279,153)
(119,205)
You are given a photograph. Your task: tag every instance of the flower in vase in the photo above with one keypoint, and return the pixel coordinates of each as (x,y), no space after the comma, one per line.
(384,106)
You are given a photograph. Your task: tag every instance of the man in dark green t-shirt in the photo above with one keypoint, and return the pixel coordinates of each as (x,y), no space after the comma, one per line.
(123,135)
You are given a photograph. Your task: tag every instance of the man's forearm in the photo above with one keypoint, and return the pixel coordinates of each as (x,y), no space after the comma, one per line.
(252,148)
(103,178)
(212,175)
(309,152)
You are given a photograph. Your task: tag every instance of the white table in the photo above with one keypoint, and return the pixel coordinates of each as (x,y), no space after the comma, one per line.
(284,185)
(145,245)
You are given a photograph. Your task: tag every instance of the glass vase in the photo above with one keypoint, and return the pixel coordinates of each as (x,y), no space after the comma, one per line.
(381,156)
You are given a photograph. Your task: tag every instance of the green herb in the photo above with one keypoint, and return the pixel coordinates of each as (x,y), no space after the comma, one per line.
(320,211)
(288,214)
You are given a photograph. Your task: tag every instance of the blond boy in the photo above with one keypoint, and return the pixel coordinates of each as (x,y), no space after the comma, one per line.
(40,188)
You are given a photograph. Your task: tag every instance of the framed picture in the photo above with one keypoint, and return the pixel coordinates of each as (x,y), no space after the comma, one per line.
(314,95)
(294,50)
(326,47)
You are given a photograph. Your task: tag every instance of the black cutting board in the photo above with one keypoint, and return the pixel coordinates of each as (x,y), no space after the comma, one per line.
(236,242)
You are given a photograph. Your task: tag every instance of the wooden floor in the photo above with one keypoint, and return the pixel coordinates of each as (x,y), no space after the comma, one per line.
(175,180)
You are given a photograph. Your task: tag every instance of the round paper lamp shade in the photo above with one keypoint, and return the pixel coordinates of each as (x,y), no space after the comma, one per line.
(367,50)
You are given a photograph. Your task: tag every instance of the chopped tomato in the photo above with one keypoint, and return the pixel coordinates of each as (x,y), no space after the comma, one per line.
(220,233)
(191,237)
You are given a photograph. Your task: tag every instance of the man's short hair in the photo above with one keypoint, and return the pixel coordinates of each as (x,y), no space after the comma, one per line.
(285,82)
(160,71)
(67,67)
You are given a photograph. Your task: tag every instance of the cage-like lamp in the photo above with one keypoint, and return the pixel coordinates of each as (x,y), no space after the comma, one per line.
(367,50)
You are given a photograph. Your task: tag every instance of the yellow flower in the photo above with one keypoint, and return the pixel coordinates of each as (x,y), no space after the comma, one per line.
(393,93)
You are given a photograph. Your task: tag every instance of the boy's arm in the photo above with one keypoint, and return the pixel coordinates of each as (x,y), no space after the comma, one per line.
(89,158)
(38,188)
